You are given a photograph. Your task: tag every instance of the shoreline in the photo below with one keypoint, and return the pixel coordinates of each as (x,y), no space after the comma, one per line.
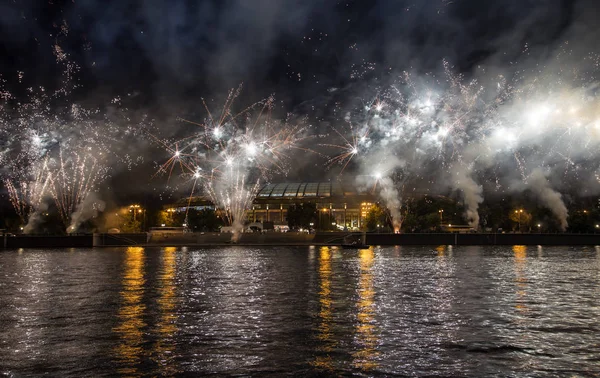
(295,240)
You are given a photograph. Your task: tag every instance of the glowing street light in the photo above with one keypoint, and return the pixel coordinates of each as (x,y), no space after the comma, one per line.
(134,209)
(519,212)
(441,211)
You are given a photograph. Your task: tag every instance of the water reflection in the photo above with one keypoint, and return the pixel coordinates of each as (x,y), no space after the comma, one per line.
(129,350)
(520,259)
(280,312)
(31,306)
(366,331)
(166,326)
(443,297)
(324,360)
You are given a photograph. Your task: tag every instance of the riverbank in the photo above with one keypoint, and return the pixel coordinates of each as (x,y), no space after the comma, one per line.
(291,239)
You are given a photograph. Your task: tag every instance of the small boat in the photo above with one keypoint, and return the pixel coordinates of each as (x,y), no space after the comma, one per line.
(355,246)
(355,243)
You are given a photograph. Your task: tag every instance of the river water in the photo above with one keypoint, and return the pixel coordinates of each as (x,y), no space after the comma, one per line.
(305,311)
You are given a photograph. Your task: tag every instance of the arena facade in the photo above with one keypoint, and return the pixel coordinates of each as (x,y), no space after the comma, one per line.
(338,203)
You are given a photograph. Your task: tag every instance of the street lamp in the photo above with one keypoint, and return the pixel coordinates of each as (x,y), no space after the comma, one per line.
(170,211)
(134,209)
(441,211)
(519,212)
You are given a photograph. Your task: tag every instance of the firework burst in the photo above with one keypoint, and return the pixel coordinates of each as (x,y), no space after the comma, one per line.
(74,177)
(233,152)
(449,131)
(26,192)
(46,141)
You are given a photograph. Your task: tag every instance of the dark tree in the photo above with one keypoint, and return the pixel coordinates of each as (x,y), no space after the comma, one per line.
(203,220)
(301,215)
(378,219)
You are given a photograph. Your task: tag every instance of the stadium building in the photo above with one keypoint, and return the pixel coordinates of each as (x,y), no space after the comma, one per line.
(338,203)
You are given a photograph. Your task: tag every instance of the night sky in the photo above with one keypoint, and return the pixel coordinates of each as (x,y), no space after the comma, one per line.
(171,51)
(161,57)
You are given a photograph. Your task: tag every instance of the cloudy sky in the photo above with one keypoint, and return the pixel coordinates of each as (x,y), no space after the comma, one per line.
(162,57)
(171,51)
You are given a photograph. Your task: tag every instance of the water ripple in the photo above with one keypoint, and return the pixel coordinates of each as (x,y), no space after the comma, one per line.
(407,311)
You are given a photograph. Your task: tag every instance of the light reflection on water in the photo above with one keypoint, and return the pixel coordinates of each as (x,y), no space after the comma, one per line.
(520,252)
(166,327)
(442,311)
(129,351)
(324,359)
(366,326)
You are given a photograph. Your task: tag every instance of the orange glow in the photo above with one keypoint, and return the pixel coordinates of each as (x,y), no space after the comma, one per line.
(130,314)
(365,357)
(325,362)
(520,253)
(166,326)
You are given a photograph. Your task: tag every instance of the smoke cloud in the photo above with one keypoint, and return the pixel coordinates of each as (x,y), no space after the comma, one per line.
(548,197)
(87,209)
(35,219)
(472,194)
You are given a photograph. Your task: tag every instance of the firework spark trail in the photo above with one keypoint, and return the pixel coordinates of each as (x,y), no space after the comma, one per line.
(73,178)
(40,122)
(234,152)
(26,190)
(350,148)
(234,195)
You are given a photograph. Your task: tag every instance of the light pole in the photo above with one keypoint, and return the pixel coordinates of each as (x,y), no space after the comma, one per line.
(143,213)
(519,212)
(135,209)
(170,212)
(441,211)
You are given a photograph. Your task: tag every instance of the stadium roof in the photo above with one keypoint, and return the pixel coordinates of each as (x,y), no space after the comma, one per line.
(307,190)
(293,192)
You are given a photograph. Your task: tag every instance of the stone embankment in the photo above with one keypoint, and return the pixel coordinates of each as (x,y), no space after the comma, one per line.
(290,238)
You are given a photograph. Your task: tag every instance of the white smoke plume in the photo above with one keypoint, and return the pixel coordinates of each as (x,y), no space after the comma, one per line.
(539,184)
(87,209)
(472,193)
(377,178)
(392,199)
(35,219)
